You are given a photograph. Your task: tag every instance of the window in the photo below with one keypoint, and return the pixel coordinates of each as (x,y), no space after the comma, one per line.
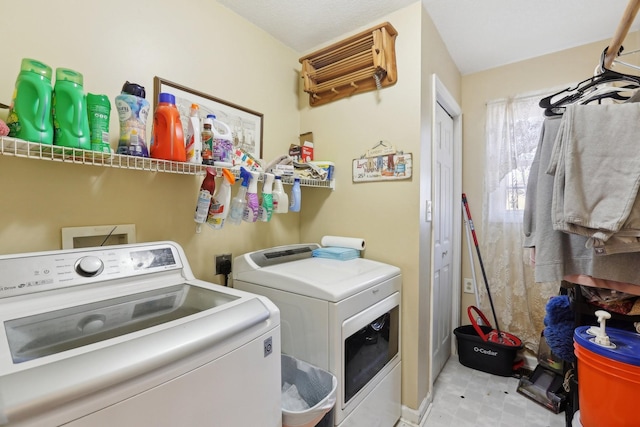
(513,131)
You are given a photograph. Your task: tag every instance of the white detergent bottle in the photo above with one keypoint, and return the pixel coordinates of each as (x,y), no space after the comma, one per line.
(222,148)
(239,202)
(252,209)
(266,208)
(280,198)
(193,137)
(220,204)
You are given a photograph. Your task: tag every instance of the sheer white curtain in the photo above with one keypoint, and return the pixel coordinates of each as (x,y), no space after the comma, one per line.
(512,133)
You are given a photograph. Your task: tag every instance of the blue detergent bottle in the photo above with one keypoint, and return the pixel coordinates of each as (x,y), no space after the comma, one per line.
(296,196)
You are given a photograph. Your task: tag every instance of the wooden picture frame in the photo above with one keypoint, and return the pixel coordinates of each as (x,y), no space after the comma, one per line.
(246,125)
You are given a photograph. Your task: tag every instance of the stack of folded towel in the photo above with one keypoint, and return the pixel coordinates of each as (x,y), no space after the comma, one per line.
(342,254)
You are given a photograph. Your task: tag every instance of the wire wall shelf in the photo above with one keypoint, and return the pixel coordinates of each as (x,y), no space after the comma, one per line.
(33,150)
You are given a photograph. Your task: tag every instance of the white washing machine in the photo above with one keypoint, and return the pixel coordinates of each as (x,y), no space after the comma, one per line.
(127,336)
(342,316)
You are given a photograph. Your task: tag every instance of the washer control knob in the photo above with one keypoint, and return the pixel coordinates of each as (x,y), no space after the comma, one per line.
(89,266)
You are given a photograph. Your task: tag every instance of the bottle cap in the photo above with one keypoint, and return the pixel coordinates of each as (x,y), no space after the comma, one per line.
(133,89)
(37,67)
(246,176)
(66,74)
(229,176)
(211,116)
(95,99)
(167,98)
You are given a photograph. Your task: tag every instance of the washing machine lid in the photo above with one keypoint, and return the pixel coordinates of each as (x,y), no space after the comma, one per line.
(50,309)
(300,273)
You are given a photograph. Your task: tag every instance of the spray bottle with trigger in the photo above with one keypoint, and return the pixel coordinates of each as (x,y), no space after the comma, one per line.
(266,208)
(204,198)
(239,202)
(219,208)
(252,209)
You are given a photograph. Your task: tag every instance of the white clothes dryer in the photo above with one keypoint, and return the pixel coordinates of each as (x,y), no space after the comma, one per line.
(341,316)
(127,336)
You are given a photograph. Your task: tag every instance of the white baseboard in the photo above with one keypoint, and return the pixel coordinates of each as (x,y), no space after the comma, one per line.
(415,418)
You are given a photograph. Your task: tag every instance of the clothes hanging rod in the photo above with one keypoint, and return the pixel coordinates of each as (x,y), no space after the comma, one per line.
(621,32)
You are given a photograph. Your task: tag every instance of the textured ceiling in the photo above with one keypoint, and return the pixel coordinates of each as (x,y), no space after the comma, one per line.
(479,34)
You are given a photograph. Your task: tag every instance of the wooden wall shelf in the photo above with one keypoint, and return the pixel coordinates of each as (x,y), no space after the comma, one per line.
(363,62)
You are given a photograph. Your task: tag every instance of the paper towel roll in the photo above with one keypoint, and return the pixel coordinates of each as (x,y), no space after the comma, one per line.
(343,242)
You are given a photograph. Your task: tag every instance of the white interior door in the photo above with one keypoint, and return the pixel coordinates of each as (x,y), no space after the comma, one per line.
(442,239)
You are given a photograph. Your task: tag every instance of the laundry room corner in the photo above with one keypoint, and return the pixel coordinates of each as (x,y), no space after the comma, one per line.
(389,215)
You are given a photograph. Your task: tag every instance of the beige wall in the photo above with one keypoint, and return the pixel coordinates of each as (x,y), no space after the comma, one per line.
(559,70)
(198,44)
(387,214)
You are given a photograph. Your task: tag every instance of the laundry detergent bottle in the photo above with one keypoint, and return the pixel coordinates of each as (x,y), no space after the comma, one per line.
(239,202)
(193,138)
(133,112)
(222,144)
(30,113)
(99,109)
(219,207)
(70,117)
(266,208)
(252,209)
(168,136)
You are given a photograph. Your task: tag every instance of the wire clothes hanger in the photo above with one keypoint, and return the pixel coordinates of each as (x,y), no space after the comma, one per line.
(617,61)
(592,89)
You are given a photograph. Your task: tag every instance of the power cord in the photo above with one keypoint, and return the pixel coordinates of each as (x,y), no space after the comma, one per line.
(225,270)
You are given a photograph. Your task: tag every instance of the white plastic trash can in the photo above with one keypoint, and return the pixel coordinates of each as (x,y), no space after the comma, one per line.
(308,393)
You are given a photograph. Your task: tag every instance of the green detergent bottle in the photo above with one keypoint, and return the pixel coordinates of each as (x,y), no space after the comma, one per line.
(70,119)
(30,112)
(99,109)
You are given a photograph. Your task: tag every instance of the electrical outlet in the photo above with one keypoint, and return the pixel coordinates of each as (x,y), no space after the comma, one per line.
(468,286)
(223,264)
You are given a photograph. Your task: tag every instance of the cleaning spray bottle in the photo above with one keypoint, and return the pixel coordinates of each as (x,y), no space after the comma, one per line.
(266,209)
(193,136)
(219,207)
(239,202)
(252,209)
(280,198)
(296,196)
(204,198)
(206,139)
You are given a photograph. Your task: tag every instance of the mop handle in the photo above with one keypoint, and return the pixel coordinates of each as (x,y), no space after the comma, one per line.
(484,274)
(467,232)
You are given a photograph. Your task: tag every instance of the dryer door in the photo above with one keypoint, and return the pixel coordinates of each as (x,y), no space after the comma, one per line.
(371,339)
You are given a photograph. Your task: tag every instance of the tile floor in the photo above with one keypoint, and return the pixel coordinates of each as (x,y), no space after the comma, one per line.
(465,397)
